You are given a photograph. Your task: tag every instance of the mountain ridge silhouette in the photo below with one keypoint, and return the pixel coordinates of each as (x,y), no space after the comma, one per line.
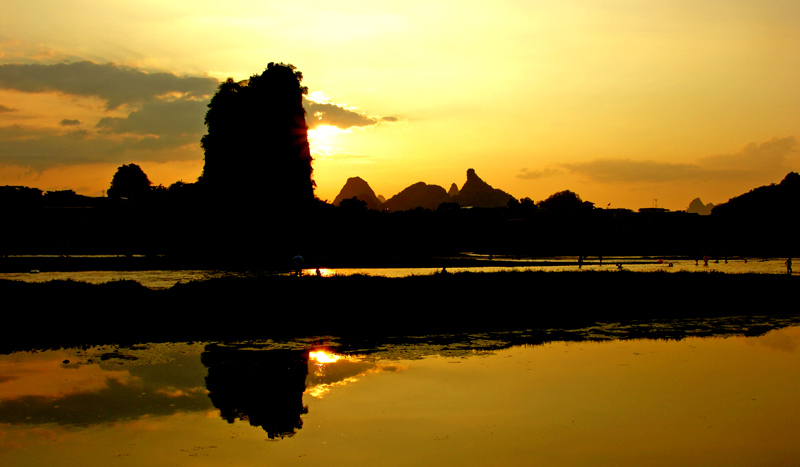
(474,193)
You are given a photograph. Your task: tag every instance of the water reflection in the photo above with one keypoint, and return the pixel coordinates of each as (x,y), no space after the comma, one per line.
(432,400)
(328,370)
(262,387)
(71,387)
(164,279)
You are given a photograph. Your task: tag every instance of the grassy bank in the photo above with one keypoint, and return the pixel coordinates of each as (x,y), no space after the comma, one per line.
(66,313)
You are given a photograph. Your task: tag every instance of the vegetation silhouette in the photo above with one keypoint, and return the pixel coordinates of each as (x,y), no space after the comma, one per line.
(175,227)
(126,313)
(762,220)
(129,182)
(256,148)
(257,177)
(565,201)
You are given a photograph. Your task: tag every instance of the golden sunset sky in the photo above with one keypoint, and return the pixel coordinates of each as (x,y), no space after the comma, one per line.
(624,102)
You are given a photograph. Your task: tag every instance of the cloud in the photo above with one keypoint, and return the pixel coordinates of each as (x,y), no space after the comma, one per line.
(626,170)
(318,114)
(181,117)
(322,113)
(526,174)
(165,121)
(755,156)
(115,84)
(771,158)
(3,108)
(42,148)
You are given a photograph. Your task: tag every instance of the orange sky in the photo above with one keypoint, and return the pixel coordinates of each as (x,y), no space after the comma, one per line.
(626,103)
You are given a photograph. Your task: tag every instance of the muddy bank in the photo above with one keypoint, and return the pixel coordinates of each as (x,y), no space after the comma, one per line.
(66,313)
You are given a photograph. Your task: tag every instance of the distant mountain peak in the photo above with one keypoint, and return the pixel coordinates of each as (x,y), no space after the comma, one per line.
(478,193)
(418,195)
(697,207)
(453,191)
(475,193)
(357,187)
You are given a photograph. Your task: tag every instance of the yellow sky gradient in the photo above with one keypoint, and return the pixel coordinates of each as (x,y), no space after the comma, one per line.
(622,101)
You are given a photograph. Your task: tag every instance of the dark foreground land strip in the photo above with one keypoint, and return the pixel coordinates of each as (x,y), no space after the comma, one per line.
(66,313)
(53,263)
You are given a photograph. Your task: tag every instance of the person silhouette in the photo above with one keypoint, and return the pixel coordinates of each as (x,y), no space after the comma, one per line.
(789,266)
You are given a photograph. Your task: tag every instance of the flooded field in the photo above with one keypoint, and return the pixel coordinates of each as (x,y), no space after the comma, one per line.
(162,279)
(712,401)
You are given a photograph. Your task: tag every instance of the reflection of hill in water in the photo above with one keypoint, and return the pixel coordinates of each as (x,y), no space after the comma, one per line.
(264,388)
(264,382)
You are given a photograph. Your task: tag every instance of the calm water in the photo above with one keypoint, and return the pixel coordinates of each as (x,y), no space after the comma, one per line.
(698,401)
(162,279)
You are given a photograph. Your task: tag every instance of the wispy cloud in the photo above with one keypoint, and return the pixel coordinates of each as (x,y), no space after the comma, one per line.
(165,122)
(626,170)
(115,84)
(526,174)
(771,158)
(323,113)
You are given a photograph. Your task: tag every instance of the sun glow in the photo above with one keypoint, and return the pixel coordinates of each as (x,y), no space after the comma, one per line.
(322,138)
(323,356)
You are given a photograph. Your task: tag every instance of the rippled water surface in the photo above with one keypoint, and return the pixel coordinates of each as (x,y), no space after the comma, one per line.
(697,401)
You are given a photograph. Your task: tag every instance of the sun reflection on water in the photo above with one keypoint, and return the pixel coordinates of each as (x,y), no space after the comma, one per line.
(323,356)
(328,370)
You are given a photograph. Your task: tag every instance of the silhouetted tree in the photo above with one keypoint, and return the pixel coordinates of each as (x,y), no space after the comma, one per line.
(353,205)
(565,201)
(129,182)
(448,207)
(256,148)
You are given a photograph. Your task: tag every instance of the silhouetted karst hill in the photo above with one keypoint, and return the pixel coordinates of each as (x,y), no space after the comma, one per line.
(478,193)
(776,201)
(358,188)
(697,207)
(453,191)
(256,149)
(418,195)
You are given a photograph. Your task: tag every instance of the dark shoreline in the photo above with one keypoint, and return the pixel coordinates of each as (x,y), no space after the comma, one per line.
(67,313)
(55,263)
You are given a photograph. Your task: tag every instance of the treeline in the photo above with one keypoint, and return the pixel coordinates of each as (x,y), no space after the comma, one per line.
(191,227)
(186,225)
